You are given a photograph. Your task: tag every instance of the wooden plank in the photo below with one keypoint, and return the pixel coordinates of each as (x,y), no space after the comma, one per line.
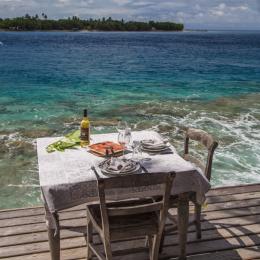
(234,254)
(68,254)
(31,228)
(220,233)
(233,197)
(41,236)
(18,209)
(41,247)
(229,213)
(231,205)
(24,212)
(215,245)
(40,218)
(234,189)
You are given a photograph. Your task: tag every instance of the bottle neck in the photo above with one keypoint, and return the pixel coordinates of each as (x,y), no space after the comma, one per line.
(85,113)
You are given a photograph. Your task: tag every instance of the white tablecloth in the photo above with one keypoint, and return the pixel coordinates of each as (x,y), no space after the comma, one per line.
(66,178)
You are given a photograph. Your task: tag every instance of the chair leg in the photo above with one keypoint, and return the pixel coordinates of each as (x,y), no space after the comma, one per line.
(162,242)
(89,239)
(197,220)
(183,221)
(156,246)
(54,242)
(149,242)
(158,241)
(108,251)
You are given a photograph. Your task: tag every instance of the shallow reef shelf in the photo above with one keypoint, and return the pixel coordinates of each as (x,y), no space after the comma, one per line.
(231,230)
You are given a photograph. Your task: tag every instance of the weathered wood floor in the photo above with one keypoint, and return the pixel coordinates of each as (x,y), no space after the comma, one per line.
(231,230)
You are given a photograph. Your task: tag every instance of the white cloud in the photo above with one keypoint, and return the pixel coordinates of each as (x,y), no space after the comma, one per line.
(122,2)
(222,6)
(217,12)
(239,8)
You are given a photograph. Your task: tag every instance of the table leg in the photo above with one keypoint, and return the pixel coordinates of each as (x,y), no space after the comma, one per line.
(54,242)
(183,221)
(54,236)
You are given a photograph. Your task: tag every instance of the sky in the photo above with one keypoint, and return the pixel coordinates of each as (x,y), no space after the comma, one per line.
(195,14)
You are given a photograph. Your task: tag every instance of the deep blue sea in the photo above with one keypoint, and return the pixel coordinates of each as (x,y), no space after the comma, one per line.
(155,80)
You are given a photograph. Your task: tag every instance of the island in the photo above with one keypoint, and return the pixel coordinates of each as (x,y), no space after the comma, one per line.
(74,23)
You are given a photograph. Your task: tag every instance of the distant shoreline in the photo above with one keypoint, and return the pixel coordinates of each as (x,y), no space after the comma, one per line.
(7,30)
(94,31)
(42,23)
(151,31)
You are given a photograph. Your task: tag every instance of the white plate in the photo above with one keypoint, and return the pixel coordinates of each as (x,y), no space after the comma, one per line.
(153,145)
(134,169)
(158,150)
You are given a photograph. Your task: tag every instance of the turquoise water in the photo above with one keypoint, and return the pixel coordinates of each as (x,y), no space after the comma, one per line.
(163,81)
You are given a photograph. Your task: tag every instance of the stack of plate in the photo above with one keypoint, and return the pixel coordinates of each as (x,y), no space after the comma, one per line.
(154,146)
(117,166)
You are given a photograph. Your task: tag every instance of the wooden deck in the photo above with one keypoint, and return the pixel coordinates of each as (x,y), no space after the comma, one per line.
(231,230)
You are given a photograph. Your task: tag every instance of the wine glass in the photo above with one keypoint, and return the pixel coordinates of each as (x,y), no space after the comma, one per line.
(121,140)
(124,135)
(121,126)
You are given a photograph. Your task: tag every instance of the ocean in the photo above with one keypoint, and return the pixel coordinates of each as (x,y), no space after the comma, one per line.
(154,80)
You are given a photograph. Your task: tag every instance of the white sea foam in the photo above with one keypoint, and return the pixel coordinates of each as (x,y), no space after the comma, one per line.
(23,185)
(99,128)
(237,157)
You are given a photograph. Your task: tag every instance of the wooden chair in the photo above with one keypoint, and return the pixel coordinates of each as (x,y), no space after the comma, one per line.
(210,144)
(128,218)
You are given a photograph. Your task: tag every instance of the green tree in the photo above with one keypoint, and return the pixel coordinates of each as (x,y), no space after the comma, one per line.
(28,22)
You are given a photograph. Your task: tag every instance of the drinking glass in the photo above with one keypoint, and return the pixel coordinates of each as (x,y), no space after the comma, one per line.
(128,136)
(137,152)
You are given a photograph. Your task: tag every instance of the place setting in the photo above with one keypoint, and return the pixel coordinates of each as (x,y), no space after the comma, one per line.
(119,157)
(119,166)
(155,147)
(127,156)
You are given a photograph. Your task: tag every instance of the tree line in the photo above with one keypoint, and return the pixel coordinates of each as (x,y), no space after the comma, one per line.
(41,22)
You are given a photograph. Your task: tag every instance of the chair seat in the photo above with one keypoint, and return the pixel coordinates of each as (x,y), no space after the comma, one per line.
(126,226)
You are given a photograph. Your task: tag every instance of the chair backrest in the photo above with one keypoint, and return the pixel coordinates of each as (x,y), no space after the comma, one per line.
(136,181)
(208,142)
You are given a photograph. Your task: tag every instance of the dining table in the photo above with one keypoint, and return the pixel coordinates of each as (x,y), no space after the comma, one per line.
(67,180)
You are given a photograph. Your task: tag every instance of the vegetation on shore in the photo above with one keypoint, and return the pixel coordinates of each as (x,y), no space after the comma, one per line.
(31,23)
